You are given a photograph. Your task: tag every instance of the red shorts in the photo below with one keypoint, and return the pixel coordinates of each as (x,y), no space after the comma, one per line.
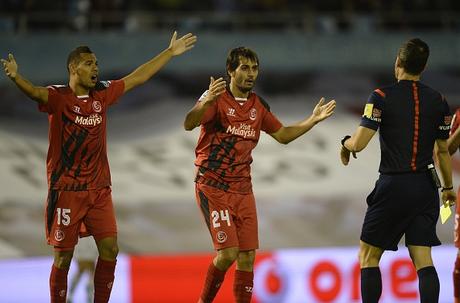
(231,218)
(72,213)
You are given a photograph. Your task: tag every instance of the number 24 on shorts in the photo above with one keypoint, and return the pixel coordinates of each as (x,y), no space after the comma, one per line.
(222,215)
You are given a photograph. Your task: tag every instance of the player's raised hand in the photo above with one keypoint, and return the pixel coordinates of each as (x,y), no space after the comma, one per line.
(216,88)
(323,111)
(10,66)
(181,45)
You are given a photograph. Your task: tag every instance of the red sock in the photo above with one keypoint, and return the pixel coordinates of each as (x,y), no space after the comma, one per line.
(103,280)
(214,279)
(242,288)
(58,284)
(457,278)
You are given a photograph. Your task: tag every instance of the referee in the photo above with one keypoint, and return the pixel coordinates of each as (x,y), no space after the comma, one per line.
(413,119)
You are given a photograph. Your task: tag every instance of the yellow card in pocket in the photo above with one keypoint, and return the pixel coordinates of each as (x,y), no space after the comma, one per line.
(445,212)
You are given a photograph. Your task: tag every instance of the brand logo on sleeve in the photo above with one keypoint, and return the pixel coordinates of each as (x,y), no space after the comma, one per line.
(372,113)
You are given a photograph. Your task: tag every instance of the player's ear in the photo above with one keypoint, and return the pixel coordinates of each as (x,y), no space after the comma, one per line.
(72,68)
(398,62)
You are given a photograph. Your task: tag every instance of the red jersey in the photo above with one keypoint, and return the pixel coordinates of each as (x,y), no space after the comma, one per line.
(77,153)
(455,122)
(229,133)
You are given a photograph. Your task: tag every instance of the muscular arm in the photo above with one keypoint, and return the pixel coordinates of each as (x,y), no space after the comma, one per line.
(195,115)
(37,93)
(144,72)
(356,143)
(360,139)
(287,134)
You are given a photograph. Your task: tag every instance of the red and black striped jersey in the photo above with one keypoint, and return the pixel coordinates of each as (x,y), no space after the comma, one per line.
(77,153)
(229,133)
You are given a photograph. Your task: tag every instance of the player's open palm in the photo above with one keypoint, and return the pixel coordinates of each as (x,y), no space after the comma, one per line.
(323,111)
(183,44)
(216,88)
(10,66)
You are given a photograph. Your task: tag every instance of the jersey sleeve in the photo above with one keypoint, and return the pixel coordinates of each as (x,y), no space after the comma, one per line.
(373,110)
(210,113)
(270,123)
(115,89)
(444,126)
(455,122)
(53,101)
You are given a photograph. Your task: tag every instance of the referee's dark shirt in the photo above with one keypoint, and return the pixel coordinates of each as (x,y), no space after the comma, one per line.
(411,116)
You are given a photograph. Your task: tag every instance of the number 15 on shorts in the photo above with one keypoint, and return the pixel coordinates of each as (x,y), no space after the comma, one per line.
(222,216)
(63,216)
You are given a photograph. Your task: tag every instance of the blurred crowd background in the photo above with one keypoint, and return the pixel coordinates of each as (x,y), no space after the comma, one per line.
(227,15)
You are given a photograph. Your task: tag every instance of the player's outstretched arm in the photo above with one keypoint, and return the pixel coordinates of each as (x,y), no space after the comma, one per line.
(443,156)
(321,111)
(356,143)
(37,93)
(147,70)
(195,115)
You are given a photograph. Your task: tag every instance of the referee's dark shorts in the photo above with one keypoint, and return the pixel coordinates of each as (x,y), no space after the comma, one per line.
(402,204)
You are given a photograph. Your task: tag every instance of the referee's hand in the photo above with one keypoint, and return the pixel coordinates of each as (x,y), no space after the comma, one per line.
(345,155)
(449,197)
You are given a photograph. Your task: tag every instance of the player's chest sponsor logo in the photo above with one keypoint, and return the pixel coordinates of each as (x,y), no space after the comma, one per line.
(253,114)
(242,130)
(92,120)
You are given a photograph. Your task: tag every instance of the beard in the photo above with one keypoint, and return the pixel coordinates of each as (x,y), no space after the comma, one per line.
(245,89)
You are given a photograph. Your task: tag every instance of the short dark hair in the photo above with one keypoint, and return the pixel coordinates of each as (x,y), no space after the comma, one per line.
(74,55)
(413,56)
(233,58)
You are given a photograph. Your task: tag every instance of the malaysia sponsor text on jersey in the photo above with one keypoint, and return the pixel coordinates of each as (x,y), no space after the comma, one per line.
(244,130)
(93,120)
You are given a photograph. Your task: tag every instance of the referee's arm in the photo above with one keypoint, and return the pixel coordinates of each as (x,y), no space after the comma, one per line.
(360,139)
(443,156)
(356,143)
